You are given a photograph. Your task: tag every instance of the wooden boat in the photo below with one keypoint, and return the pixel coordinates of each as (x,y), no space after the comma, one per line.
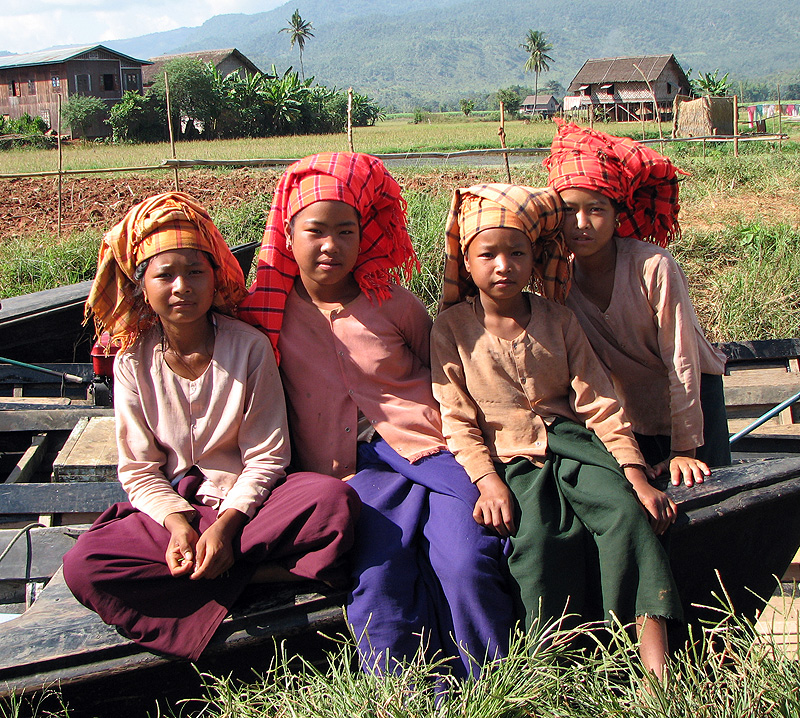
(47,326)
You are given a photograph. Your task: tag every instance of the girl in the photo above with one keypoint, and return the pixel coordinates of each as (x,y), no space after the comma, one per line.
(532,418)
(632,299)
(354,350)
(201,434)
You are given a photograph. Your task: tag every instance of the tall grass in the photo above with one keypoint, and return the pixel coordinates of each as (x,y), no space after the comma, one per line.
(727,670)
(36,262)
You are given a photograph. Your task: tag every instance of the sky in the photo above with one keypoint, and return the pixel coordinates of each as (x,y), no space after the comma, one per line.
(31,25)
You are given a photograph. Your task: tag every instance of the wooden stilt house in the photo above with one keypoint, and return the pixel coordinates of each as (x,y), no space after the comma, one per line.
(628,89)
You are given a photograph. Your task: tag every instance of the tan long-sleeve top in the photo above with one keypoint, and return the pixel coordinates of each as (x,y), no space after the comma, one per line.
(651,344)
(362,357)
(497,396)
(230,423)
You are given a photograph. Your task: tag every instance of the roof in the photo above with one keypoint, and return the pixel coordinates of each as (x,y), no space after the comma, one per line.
(59,55)
(215,57)
(622,69)
(539,99)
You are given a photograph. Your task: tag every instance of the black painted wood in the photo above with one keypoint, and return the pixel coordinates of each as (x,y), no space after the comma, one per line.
(76,497)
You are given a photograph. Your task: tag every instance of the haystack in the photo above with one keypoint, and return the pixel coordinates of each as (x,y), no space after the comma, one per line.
(703,117)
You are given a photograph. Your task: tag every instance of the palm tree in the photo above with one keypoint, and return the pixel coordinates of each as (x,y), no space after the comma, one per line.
(537,47)
(299,31)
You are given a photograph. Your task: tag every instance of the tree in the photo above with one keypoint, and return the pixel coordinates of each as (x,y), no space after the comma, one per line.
(299,31)
(537,47)
(510,100)
(81,111)
(194,95)
(467,106)
(710,84)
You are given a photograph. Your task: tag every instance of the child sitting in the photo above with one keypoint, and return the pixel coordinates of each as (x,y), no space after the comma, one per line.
(202,443)
(354,357)
(632,299)
(532,417)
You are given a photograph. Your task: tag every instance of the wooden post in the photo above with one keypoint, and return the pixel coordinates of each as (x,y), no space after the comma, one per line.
(780,120)
(735,126)
(502,133)
(60,165)
(590,112)
(641,114)
(350,118)
(171,134)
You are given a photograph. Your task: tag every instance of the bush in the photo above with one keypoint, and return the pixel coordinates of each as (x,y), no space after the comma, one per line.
(136,119)
(82,111)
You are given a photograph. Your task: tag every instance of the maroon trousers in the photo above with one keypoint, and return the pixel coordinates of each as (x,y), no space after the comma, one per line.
(118,567)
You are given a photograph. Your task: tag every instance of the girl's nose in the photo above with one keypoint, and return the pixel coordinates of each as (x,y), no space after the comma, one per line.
(582,218)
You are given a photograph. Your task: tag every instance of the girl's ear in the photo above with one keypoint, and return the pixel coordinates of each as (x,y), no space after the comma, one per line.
(287,230)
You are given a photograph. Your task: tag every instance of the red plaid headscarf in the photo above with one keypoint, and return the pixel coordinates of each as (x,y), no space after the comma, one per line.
(161,223)
(642,181)
(537,213)
(385,253)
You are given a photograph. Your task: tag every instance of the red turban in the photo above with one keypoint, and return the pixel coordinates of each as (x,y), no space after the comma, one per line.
(385,252)
(643,182)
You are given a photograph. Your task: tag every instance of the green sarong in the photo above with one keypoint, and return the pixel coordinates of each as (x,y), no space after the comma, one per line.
(583,544)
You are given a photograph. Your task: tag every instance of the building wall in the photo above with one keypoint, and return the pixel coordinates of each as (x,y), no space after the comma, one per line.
(37,89)
(34,89)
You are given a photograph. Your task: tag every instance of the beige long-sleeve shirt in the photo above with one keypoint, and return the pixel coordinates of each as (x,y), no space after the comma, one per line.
(361,358)
(651,344)
(230,423)
(497,396)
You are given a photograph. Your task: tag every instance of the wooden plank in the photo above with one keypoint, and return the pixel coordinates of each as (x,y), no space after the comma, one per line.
(49,420)
(760,350)
(37,555)
(90,453)
(30,461)
(37,499)
(9,403)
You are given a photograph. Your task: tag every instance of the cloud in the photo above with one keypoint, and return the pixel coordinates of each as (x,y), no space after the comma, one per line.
(31,25)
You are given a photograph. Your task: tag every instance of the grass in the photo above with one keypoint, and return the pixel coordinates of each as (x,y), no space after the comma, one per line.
(727,669)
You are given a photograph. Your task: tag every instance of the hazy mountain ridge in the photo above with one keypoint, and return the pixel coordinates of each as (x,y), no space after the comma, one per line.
(407,53)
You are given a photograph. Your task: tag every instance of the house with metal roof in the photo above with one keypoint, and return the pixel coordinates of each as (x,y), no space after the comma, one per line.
(225,61)
(625,89)
(544,105)
(33,83)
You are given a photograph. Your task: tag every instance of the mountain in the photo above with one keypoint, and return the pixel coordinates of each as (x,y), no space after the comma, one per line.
(405,53)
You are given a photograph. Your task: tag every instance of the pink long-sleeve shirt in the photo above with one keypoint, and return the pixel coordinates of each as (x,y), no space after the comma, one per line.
(362,358)
(230,423)
(651,344)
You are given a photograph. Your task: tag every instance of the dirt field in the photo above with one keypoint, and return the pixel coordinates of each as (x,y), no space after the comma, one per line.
(29,205)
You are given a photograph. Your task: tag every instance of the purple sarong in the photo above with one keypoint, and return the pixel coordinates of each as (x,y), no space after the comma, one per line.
(118,567)
(425,571)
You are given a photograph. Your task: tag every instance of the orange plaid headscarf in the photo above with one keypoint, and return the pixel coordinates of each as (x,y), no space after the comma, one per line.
(642,181)
(385,253)
(538,213)
(166,221)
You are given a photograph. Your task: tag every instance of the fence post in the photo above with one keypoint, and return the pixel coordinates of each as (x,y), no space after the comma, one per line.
(780,120)
(350,118)
(502,133)
(171,134)
(60,163)
(735,126)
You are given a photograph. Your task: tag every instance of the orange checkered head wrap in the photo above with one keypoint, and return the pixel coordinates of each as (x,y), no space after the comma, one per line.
(385,254)
(537,213)
(643,182)
(161,223)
